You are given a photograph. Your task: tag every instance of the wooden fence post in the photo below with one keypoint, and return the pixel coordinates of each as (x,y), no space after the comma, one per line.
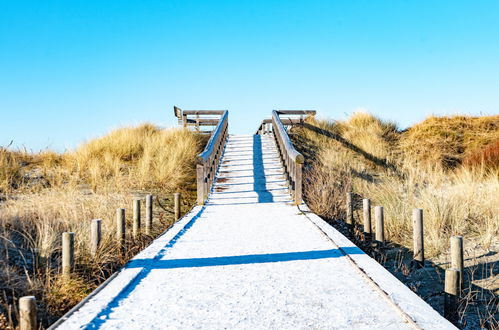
(36,260)
(120,227)
(95,235)
(27,313)
(380,224)
(457,258)
(148,214)
(176,207)
(418,237)
(350,208)
(67,253)
(136,217)
(452,293)
(366,206)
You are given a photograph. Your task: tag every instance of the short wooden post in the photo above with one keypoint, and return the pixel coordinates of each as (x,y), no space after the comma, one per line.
(68,245)
(95,235)
(176,206)
(120,227)
(418,237)
(148,214)
(457,258)
(380,224)
(366,206)
(27,313)
(136,217)
(452,293)
(36,260)
(350,208)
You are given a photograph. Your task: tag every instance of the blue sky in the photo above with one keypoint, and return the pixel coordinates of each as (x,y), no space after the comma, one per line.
(73,70)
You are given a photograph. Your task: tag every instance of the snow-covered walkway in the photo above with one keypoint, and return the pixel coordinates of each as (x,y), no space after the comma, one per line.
(248,259)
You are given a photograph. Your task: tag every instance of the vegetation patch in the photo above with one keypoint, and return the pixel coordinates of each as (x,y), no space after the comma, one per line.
(45,194)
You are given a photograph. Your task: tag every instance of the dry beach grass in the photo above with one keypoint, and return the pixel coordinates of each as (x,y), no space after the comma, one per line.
(47,193)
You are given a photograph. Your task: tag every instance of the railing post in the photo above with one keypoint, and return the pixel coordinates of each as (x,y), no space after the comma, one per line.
(200,183)
(298,183)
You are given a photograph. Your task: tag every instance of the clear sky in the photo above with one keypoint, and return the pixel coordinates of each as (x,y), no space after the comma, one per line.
(72,70)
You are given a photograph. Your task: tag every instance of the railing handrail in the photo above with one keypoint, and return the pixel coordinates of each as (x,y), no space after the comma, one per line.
(288,146)
(215,136)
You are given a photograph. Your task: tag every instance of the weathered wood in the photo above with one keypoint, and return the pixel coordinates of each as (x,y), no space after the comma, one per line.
(349,208)
(452,293)
(136,218)
(36,260)
(149,214)
(298,183)
(284,139)
(27,313)
(200,183)
(176,206)
(297,112)
(292,160)
(380,224)
(67,253)
(120,227)
(95,235)
(457,256)
(418,237)
(366,208)
(203,112)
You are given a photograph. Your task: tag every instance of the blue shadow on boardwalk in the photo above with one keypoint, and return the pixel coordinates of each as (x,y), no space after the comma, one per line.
(148,265)
(243,259)
(259,180)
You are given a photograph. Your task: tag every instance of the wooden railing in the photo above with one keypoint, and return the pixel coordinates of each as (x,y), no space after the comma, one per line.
(198,119)
(209,159)
(291,159)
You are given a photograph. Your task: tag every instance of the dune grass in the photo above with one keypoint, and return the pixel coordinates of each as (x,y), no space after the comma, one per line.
(406,170)
(46,194)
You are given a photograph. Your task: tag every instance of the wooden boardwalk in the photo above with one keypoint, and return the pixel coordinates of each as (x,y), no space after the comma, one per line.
(249,259)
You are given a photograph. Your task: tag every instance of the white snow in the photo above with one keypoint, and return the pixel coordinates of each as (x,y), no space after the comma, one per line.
(248,259)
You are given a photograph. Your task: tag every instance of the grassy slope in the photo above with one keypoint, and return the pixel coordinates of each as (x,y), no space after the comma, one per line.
(48,193)
(406,170)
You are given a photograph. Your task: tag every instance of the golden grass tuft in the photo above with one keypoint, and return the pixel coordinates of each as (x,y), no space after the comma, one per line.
(139,157)
(445,141)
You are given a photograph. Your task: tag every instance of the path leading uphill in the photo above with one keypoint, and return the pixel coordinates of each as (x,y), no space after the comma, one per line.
(248,259)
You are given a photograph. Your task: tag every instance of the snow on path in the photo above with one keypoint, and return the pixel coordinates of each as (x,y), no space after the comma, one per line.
(248,259)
